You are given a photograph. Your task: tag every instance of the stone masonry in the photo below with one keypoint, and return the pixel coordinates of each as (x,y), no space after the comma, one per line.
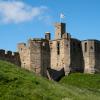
(54,58)
(10,56)
(43,56)
(35,56)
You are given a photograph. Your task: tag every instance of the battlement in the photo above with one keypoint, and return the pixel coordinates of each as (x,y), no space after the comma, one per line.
(38,39)
(10,56)
(10,53)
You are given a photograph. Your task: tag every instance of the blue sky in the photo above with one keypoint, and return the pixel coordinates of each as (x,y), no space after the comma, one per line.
(24,19)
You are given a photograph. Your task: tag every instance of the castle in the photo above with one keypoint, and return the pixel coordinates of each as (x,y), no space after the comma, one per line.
(61,56)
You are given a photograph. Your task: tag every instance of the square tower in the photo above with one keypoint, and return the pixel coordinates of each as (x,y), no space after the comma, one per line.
(60,29)
(35,55)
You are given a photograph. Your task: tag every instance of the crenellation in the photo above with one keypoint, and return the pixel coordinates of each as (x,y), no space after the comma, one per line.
(9,56)
(2,52)
(15,53)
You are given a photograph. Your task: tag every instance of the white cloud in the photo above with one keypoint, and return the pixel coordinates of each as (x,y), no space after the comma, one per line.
(17,11)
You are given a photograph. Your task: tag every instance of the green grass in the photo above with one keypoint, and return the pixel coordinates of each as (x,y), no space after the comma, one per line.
(86,81)
(19,84)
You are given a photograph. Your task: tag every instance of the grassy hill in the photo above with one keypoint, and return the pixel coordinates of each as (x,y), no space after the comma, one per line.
(87,81)
(19,84)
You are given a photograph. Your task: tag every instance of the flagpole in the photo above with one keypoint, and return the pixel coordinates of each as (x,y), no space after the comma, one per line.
(61,17)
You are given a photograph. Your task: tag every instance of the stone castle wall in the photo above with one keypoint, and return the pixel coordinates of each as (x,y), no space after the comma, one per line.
(91,55)
(10,56)
(66,52)
(60,49)
(35,56)
(76,58)
(97,56)
(60,54)
(24,55)
(40,55)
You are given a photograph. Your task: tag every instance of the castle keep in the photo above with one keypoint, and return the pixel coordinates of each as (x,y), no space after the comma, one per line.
(53,58)
(44,56)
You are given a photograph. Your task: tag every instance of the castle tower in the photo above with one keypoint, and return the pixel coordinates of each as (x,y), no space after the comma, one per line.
(60,29)
(35,56)
(91,54)
(88,48)
(47,36)
(60,49)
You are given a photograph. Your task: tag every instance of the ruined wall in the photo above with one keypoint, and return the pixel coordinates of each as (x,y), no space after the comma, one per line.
(10,56)
(77,63)
(45,57)
(57,57)
(88,48)
(97,56)
(24,52)
(60,54)
(63,52)
(60,49)
(40,55)
(60,29)
(69,57)
(35,56)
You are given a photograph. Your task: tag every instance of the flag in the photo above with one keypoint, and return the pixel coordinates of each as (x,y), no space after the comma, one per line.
(62,15)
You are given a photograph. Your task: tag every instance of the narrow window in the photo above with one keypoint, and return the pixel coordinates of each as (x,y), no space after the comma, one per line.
(58,48)
(91,48)
(85,47)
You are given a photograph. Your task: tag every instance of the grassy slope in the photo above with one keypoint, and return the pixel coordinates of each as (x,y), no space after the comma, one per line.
(19,84)
(87,81)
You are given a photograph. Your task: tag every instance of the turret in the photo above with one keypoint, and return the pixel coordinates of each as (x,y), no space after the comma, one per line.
(47,36)
(60,29)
